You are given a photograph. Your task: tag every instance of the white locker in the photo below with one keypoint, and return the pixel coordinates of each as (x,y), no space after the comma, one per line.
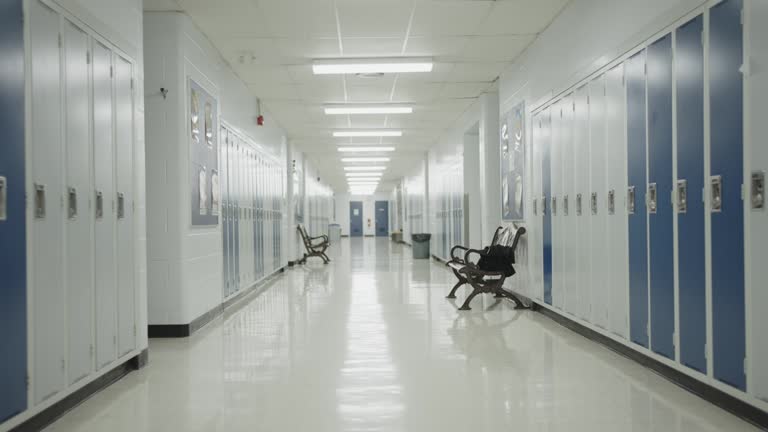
(47,206)
(598,203)
(79,226)
(126,292)
(104,206)
(558,299)
(618,226)
(534,210)
(757,217)
(581,238)
(568,232)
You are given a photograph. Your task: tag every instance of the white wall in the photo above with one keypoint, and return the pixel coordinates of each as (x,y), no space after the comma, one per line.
(185,263)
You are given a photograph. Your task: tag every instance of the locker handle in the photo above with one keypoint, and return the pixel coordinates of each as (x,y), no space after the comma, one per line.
(757,192)
(544,205)
(3,199)
(682,196)
(593,203)
(611,202)
(631,200)
(535,207)
(120,205)
(653,198)
(71,203)
(99,205)
(554,206)
(578,205)
(716,191)
(565,205)
(39,201)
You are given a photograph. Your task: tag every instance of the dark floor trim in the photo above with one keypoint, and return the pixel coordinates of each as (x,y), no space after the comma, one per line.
(157,331)
(49,415)
(705,391)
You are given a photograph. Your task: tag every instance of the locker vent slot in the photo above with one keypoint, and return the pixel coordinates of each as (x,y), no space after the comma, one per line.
(99,205)
(653,198)
(611,202)
(120,205)
(757,198)
(3,199)
(72,203)
(39,201)
(593,203)
(716,190)
(578,205)
(631,200)
(682,196)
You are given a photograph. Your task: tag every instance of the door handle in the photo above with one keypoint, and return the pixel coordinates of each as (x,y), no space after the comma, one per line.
(3,199)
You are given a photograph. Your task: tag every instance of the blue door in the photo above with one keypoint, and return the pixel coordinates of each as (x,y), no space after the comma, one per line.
(355,218)
(689,62)
(13,266)
(638,217)
(726,178)
(661,218)
(546,172)
(382,218)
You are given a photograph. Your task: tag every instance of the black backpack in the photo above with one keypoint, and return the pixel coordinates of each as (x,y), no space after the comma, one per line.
(498,258)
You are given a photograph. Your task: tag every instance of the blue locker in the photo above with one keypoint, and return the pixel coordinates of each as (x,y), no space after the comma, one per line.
(13,252)
(661,218)
(546,172)
(725,188)
(689,66)
(636,169)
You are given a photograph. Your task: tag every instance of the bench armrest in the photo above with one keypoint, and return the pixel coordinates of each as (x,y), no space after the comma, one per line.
(456,248)
(469,253)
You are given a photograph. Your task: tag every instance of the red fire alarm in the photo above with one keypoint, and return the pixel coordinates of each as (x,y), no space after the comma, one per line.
(260,120)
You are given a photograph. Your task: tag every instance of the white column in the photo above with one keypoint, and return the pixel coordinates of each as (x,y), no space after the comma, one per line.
(490,183)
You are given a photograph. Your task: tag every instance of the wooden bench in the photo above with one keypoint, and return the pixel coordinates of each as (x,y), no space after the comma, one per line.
(484,282)
(315,246)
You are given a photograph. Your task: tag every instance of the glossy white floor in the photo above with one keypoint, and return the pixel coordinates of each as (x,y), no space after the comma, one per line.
(369,343)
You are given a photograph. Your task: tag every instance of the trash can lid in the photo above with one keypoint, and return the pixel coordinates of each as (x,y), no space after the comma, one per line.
(423,237)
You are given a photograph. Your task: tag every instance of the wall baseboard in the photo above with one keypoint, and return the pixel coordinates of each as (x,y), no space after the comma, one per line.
(157,331)
(49,415)
(705,391)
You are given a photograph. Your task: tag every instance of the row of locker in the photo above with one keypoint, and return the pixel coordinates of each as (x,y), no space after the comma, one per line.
(448,204)
(253,222)
(319,208)
(79,181)
(638,202)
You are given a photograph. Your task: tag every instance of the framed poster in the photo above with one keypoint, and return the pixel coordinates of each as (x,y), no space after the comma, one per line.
(512,141)
(203,156)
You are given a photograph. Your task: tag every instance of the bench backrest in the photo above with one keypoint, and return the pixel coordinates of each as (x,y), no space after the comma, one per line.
(496,235)
(510,236)
(304,235)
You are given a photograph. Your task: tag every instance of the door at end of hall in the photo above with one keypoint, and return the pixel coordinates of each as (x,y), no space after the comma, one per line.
(382,218)
(355,218)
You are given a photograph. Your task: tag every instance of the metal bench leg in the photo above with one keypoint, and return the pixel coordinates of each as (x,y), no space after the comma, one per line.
(452,295)
(465,306)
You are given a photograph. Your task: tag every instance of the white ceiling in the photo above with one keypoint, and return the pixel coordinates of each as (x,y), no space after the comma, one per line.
(271,45)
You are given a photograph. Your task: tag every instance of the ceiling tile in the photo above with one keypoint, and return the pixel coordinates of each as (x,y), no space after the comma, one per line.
(373,47)
(456,18)
(495,48)
(520,16)
(371,18)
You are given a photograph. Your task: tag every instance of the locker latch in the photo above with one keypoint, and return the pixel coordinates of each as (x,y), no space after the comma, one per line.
(682,196)
(3,199)
(593,203)
(39,201)
(578,205)
(611,202)
(120,205)
(565,205)
(653,198)
(716,191)
(757,198)
(71,203)
(631,200)
(99,205)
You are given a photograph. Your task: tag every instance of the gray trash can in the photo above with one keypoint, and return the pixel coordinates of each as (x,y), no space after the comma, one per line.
(420,243)
(334,233)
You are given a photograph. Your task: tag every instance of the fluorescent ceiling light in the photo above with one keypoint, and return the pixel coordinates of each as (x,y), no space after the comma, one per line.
(368,109)
(364,174)
(365,159)
(363,179)
(365,168)
(365,183)
(366,149)
(368,133)
(371,65)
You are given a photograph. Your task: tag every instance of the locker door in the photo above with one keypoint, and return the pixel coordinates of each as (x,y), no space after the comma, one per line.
(598,203)
(725,186)
(555,207)
(231,279)
(546,199)
(689,66)
(570,284)
(660,209)
(223,140)
(13,254)
(636,208)
(104,210)
(126,298)
(617,186)
(236,212)
(580,189)
(534,212)
(79,232)
(46,192)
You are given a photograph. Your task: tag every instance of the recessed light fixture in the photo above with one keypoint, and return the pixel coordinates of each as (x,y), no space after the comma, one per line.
(365,159)
(368,133)
(365,168)
(364,174)
(366,149)
(367,109)
(371,65)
